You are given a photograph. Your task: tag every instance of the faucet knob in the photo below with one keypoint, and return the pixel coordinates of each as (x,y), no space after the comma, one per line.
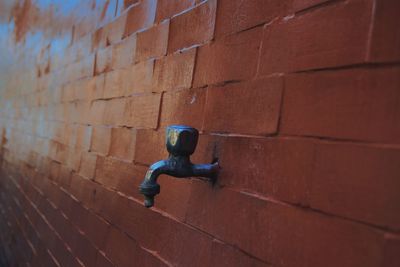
(181,140)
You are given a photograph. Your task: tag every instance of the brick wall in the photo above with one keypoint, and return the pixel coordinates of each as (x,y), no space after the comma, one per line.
(298,99)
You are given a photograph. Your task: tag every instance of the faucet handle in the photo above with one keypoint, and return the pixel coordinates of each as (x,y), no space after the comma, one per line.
(181,140)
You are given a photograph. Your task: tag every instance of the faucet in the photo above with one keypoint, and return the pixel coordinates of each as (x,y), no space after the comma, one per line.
(181,142)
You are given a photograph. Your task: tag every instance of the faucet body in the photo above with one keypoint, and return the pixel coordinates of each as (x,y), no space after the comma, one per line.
(181,143)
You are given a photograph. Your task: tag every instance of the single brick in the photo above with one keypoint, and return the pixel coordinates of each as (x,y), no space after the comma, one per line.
(139,78)
(231,58)
(96,87)
(152,43)
(124,53)
(272,171)
(115,29)
(123,143)
(101,138)
(183,107)
(142,111)
(140,16)
(174,71)
(259,118)
(150,146)
(87,165)
(168,8)
(118,175)
(104,60)
(83,137)
(115,83)
(193,27)
(114,112)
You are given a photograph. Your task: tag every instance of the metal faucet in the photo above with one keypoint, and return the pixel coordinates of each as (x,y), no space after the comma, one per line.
(181,143)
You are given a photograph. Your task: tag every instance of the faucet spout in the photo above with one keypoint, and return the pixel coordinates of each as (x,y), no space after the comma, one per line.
(149,187)
(181,143)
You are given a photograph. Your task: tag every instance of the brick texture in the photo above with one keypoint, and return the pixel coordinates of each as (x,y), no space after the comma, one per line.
(193,27)
(297,100)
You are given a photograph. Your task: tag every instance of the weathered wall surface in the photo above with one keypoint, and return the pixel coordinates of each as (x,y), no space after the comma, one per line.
(298,99)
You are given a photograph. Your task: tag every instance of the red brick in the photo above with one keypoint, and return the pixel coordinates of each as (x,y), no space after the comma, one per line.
(44,258)
(114,112)
(104,60)
(280,234)
(124,52)
(83,137)
(61,254)
(97,112)
(150,146)
(175,196)
(183,107)
(139,78)
(93,196)
(93,227)
(122,250)
(300,5)
(235,15)
(55,168)
(115,30)
(168,8)
(190,247)
(65,175)
(210,209)
(99,39)
(103,261)
(85,251)
(73,159)
(123,143)
(101,139)
(61,153)
(119,175)
(193,27)
(153,42)
(142,111)
(140,16)
(392,251)
(67,94)
(358,104)
(128,3)
(83,68)
(96,87)
(303,238)
(259,118)
(345,183)
(115,83)
(224,255)
(70,135)
(231,58)
(318,39)
(385,44)
(81,92)
(79,245)
(174,71)
(87,165)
